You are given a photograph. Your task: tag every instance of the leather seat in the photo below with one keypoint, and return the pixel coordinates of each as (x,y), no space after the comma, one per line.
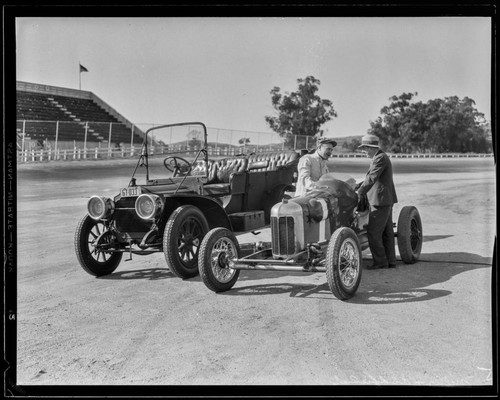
(221,171)
(228,166)
(275,160)
(220,174)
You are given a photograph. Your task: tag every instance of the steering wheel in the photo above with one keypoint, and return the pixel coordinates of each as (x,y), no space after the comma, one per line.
(177,165)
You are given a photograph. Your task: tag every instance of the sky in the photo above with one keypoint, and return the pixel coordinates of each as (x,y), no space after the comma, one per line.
(220,70)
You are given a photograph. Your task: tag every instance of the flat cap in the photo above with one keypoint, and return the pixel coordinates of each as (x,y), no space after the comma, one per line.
(323,140)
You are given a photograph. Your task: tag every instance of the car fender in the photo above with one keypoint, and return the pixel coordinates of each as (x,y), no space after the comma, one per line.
(211,208)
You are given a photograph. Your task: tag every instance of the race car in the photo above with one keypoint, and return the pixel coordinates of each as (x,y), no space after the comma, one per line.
(321,231)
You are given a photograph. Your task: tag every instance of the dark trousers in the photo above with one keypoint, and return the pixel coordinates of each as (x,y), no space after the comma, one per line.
(381,235)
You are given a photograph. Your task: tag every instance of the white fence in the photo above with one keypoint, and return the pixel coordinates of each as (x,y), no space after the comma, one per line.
(48,154)
(129,152)
(417,155)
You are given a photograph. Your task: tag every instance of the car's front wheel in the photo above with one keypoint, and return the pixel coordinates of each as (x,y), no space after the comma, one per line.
(343,263)
(182,238)
(91,241)
(217,249)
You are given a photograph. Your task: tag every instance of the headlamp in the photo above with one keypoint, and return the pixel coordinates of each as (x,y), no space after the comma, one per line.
(100,207)
(148,206)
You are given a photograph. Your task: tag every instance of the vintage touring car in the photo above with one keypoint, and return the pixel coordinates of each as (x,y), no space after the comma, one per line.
(322,231)
(170,203)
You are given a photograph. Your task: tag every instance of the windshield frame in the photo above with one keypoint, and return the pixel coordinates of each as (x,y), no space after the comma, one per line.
(144,155)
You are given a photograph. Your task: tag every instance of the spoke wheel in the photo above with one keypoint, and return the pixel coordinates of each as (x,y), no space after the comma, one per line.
(409,234)
(182,238)
(217,249)
(343,263)
(91,240)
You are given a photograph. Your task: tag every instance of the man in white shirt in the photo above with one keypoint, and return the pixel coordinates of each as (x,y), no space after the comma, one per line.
(312,166)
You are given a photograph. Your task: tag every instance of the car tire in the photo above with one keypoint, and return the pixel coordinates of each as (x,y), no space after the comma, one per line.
(94,262)
(217,247)
(184,232)
(409,234)
(343,263)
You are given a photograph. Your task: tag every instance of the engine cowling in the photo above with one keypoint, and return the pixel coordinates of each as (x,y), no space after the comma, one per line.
(311,218)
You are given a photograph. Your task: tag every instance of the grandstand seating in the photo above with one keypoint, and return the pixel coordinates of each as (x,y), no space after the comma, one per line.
(40,111)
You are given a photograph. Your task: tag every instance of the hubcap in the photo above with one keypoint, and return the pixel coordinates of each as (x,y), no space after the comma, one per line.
(415,235)
(349,262)
(222,251)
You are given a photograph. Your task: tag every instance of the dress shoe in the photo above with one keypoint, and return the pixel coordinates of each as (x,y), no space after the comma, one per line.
(392,265)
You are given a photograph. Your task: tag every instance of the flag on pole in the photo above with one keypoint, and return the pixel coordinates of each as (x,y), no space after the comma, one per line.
(83,69)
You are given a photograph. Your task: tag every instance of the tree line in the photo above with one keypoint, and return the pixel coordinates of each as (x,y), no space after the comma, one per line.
(404,126)
(437,126)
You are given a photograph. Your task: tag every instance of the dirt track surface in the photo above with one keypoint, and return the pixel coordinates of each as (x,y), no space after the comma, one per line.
(429,323)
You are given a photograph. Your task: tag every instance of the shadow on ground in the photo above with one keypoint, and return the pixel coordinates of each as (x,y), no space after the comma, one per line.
(406,283)
(149,274)
(431,238)
(403,284)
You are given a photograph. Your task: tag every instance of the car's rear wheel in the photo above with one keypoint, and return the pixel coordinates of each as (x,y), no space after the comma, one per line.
(217,248)
(343,263)
(182,238)
(91,239)
(409,234)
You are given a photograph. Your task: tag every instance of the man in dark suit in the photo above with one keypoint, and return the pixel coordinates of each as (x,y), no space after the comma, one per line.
(378,187)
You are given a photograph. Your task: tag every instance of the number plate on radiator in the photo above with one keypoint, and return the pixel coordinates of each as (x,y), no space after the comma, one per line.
(133,191)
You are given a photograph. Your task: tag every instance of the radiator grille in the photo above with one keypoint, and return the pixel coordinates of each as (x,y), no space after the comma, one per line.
(126,218)
(128,221)
(283,235)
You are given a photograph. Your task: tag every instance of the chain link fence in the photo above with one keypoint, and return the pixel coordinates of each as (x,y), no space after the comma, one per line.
(62,140)
(68,140)
(223,141)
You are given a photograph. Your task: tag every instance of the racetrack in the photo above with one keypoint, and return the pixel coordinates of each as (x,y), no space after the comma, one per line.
(429,323)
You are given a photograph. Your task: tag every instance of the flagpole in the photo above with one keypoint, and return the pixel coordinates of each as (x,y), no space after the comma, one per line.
(81,69)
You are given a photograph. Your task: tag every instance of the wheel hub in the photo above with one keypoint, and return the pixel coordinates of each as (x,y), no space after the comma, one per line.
(415,235)
(220,256)
(222,259)
(349,264)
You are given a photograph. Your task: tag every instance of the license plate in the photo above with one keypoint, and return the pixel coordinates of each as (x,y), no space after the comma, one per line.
(133,191)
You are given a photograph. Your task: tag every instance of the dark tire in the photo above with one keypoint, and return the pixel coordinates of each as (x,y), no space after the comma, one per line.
(218,246)
(182,238)
(409,234)
(343,263)
(89,234)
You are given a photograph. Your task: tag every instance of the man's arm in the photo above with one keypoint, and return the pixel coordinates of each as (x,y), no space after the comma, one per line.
(378,165)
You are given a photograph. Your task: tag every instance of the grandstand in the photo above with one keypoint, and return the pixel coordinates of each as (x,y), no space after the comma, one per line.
(64,118)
